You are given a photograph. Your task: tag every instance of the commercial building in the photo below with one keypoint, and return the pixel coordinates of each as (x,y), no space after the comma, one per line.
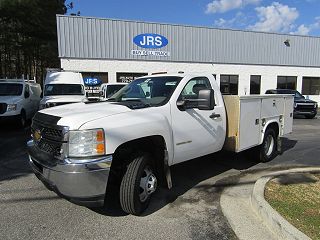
(243,62)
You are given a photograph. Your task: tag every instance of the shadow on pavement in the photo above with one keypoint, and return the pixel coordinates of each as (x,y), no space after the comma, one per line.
(296,178)
(185,176)
(13,151)
(287,144)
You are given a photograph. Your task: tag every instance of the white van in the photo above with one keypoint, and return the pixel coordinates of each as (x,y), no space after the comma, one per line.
(19,99)
(62,88)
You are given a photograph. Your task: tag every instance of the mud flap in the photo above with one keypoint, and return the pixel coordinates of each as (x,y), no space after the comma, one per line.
(279,145)
(167,171)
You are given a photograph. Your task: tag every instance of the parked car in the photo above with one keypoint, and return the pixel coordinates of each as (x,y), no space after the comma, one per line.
(108,89)
(19,99)
(147,126)
(61,87)
(302,106)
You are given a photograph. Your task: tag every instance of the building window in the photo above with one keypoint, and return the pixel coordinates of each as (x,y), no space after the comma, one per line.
(287,82)
(129,77)
(255,83)
(229,84)
(311,85)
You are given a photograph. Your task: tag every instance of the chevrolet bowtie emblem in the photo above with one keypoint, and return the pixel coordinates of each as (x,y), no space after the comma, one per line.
(37,135)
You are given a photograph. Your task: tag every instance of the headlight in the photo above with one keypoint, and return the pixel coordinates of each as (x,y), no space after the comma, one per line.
(86,143)
(42,106)
(11,107)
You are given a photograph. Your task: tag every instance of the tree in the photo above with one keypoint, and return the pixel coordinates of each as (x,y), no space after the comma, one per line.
(28,37)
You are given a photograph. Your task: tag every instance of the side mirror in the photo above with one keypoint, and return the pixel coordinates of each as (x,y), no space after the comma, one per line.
(206,99)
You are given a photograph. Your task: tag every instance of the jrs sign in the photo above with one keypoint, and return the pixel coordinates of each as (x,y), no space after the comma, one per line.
(92,81)
(150,40)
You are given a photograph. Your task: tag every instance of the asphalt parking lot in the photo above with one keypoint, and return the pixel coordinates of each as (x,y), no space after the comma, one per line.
(189,211)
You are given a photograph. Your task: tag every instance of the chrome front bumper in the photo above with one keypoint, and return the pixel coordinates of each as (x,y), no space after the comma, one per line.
(81,183)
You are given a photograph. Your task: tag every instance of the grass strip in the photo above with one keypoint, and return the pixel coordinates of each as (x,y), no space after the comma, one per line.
(298,202)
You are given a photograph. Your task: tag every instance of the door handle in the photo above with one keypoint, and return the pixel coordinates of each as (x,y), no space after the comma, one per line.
(215,115)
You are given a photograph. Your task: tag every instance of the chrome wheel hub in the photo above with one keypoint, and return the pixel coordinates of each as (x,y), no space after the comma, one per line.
(269,145)
(148,184)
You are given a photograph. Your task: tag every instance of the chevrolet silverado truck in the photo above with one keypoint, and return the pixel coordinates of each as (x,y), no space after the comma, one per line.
(149,125)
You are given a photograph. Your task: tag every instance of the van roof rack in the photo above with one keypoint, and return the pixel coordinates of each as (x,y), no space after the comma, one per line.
(18,80)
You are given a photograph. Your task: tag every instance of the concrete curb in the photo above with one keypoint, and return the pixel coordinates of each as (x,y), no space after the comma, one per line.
(275,222)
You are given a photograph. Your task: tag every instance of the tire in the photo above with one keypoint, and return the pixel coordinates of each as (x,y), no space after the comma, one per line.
(268,149)
(134,198)
(310,116)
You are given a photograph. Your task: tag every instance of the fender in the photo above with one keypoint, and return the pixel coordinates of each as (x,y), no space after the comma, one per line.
(266,125)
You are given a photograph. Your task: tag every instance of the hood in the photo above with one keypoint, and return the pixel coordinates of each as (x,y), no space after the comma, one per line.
(10,99)
(77,114)
(303,100)
(62,98)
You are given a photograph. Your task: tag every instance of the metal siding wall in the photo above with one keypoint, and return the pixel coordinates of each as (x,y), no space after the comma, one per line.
(80,37)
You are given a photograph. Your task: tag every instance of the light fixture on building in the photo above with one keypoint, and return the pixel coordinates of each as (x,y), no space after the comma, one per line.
(287,43)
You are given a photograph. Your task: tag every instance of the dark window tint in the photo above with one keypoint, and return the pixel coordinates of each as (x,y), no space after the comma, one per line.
(129,77)
(286,82)
(10,89)
(229,84)
(63,89)
(255,83)
(311,85)
(112,89)
(285,91)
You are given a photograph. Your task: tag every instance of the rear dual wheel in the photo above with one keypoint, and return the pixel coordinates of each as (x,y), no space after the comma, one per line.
(138,184)
(268,149)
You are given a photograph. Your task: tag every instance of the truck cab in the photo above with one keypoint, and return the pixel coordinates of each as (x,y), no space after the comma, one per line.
(147,126)
(19,100)
(61,88)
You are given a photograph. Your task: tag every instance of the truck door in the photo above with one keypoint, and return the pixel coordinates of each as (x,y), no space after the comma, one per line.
(28,104)
(197,132)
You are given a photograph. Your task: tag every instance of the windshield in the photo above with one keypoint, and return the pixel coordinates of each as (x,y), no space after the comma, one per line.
(152,91)
(10,89)
(112,89)
(63,89)
(288,91)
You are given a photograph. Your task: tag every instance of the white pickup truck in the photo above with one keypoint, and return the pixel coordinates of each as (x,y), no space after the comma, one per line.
(149,125)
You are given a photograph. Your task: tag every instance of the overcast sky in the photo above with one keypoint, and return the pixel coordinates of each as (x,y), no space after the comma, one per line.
(296,16)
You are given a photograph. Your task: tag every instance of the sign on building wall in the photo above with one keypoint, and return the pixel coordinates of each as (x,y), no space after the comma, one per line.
(150,41)
(128,77)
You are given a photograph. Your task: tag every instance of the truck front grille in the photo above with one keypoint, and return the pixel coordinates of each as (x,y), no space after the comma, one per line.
(49,147)
(3,108)
(48,136)
(304,107)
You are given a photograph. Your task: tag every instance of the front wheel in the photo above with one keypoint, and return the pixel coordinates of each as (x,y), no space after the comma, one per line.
(268,149)
(137,185)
